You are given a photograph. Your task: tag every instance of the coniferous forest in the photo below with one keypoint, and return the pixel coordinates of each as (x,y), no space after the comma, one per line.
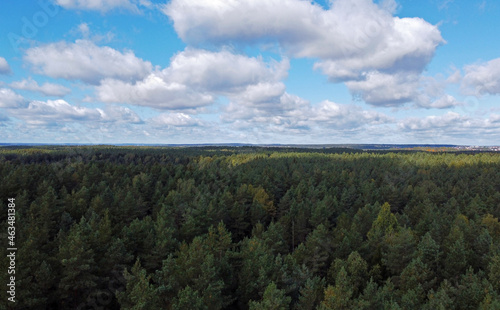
(251,228)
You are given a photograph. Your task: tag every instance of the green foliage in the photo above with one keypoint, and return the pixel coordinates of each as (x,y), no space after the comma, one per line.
(311,294)
(188,299)
(399,250)
(273,299)
(140,293)
(338,296)
(266,228)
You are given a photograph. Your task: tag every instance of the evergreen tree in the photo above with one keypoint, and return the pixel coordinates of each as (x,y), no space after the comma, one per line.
(399,250)
(311,294)
(338,296)
(76,256)
(139,293)
(273,299)
(189,299)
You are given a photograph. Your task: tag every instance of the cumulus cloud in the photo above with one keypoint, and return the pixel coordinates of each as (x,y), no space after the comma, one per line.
(380,58)
(275,109)
(85,61)
(386,89)
(432,122)
(393,90)
(195,78)
(9,99)
(345,46)
(154,91)
(175,120)
(4,66)
(56,111)
(346,116)
(119,114)
(101,5)
(222,71)
(260,94)
(84,30)
(47,89)
(292,114)
(452,125)
(53,112)
(446,101)
(482,79)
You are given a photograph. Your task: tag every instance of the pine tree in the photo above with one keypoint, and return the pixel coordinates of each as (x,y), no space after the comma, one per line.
(470,291)
(311,294)
(338,296)
(78,276)
(443,299)
(140,293)
(456,259)
(429,252)
(399,250)
(273,299)
(494,272)
(385,224)
(189,299)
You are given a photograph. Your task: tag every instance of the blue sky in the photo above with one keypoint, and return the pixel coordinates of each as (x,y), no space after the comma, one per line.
(254,71)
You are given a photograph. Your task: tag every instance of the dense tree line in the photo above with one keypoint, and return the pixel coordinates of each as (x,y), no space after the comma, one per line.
(252,228)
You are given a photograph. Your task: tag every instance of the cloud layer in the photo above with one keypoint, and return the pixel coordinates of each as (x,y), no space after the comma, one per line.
(85,61)
(346,48)
(9,99)
(482,79)
(194,79)
(47,89)
(217,87)
(60,112)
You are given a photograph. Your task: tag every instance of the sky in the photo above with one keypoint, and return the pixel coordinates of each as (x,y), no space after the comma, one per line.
(250,71)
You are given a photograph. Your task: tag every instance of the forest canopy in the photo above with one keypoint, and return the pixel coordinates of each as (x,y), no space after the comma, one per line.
(107,227)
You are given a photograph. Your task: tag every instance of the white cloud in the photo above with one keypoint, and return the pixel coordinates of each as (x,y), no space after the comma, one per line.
(273,110)
(100,5)
(346,116)
(381,58)
(266,95)
(83,60)
(119,114)
(482,79)
(84,30)
(56,111)
(347,47)
(394,90)
(195,78)
(407,45)
(175,120)
(294,115)
(60,112)
(9,99)
(446,101)
(47,89)
(4,66)
(154,92)
(386,89)
(222,71)
(432,122)
(452,126)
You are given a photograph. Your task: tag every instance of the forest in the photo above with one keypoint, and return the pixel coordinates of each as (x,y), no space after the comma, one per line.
(116,227)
